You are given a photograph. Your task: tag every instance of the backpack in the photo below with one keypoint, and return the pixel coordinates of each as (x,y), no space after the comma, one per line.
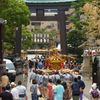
(95,93)
(75,88)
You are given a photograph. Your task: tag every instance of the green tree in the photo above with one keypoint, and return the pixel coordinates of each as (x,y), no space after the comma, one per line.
(92,21)
(8,38)
(75,39)
(85,24)
(76,36)
(16,13)
(27,37)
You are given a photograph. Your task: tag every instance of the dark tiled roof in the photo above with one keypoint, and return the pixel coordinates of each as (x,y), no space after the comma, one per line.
(48,1)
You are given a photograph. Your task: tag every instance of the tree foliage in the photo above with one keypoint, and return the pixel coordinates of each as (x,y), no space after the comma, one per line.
(85,21)
(16,13)
(8,38)
(76,34)
(92,21)
(75,38)
(27,37)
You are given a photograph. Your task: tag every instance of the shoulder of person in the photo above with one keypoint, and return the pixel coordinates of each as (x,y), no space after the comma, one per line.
(23,87)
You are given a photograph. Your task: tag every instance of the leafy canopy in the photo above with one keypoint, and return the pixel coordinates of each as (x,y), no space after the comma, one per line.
(27,37)
(15,12)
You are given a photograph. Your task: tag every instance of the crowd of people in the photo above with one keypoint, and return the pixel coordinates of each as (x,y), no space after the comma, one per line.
(39,62)
(60,86)
(50,85)
(13,92)
(57,85)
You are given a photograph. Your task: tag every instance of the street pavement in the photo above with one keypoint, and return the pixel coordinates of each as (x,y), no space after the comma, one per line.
(86,90)
(88,83)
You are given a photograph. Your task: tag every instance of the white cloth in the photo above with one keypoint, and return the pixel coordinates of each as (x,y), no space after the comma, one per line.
(94,86)
(32,76)
(57,76)
(15,94)
(21,90)
(40,78)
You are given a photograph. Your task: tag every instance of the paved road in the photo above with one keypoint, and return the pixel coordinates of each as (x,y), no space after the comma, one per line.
(88,83)
(20,78)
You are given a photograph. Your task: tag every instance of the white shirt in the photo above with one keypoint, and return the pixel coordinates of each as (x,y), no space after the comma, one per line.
(21,90)
(15,94)
(57,76)
(32,76)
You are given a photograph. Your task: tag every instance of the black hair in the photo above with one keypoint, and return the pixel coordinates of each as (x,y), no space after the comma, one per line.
(34,81)
(50,80)
(58,81)
(75,79)
(19,83)
(64,84)
(8,87)
(79,77)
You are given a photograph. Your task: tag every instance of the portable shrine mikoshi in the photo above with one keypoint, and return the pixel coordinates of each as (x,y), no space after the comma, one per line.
(54,61)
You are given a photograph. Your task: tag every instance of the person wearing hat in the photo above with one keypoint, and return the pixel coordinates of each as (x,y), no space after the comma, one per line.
(14,91)
(4,79)
(94,92)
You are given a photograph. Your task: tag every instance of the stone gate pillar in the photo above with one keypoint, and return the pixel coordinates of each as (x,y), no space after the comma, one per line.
(17,48)
(62,26)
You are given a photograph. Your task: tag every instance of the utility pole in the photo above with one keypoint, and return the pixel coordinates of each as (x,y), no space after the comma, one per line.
(1,44)
(2,66)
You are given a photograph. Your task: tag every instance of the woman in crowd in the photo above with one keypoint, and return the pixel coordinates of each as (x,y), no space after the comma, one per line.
(50,90)
(34,90)
(58,91)
(67,92)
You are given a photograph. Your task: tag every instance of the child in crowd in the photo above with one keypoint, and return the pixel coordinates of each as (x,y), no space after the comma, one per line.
(94,92)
